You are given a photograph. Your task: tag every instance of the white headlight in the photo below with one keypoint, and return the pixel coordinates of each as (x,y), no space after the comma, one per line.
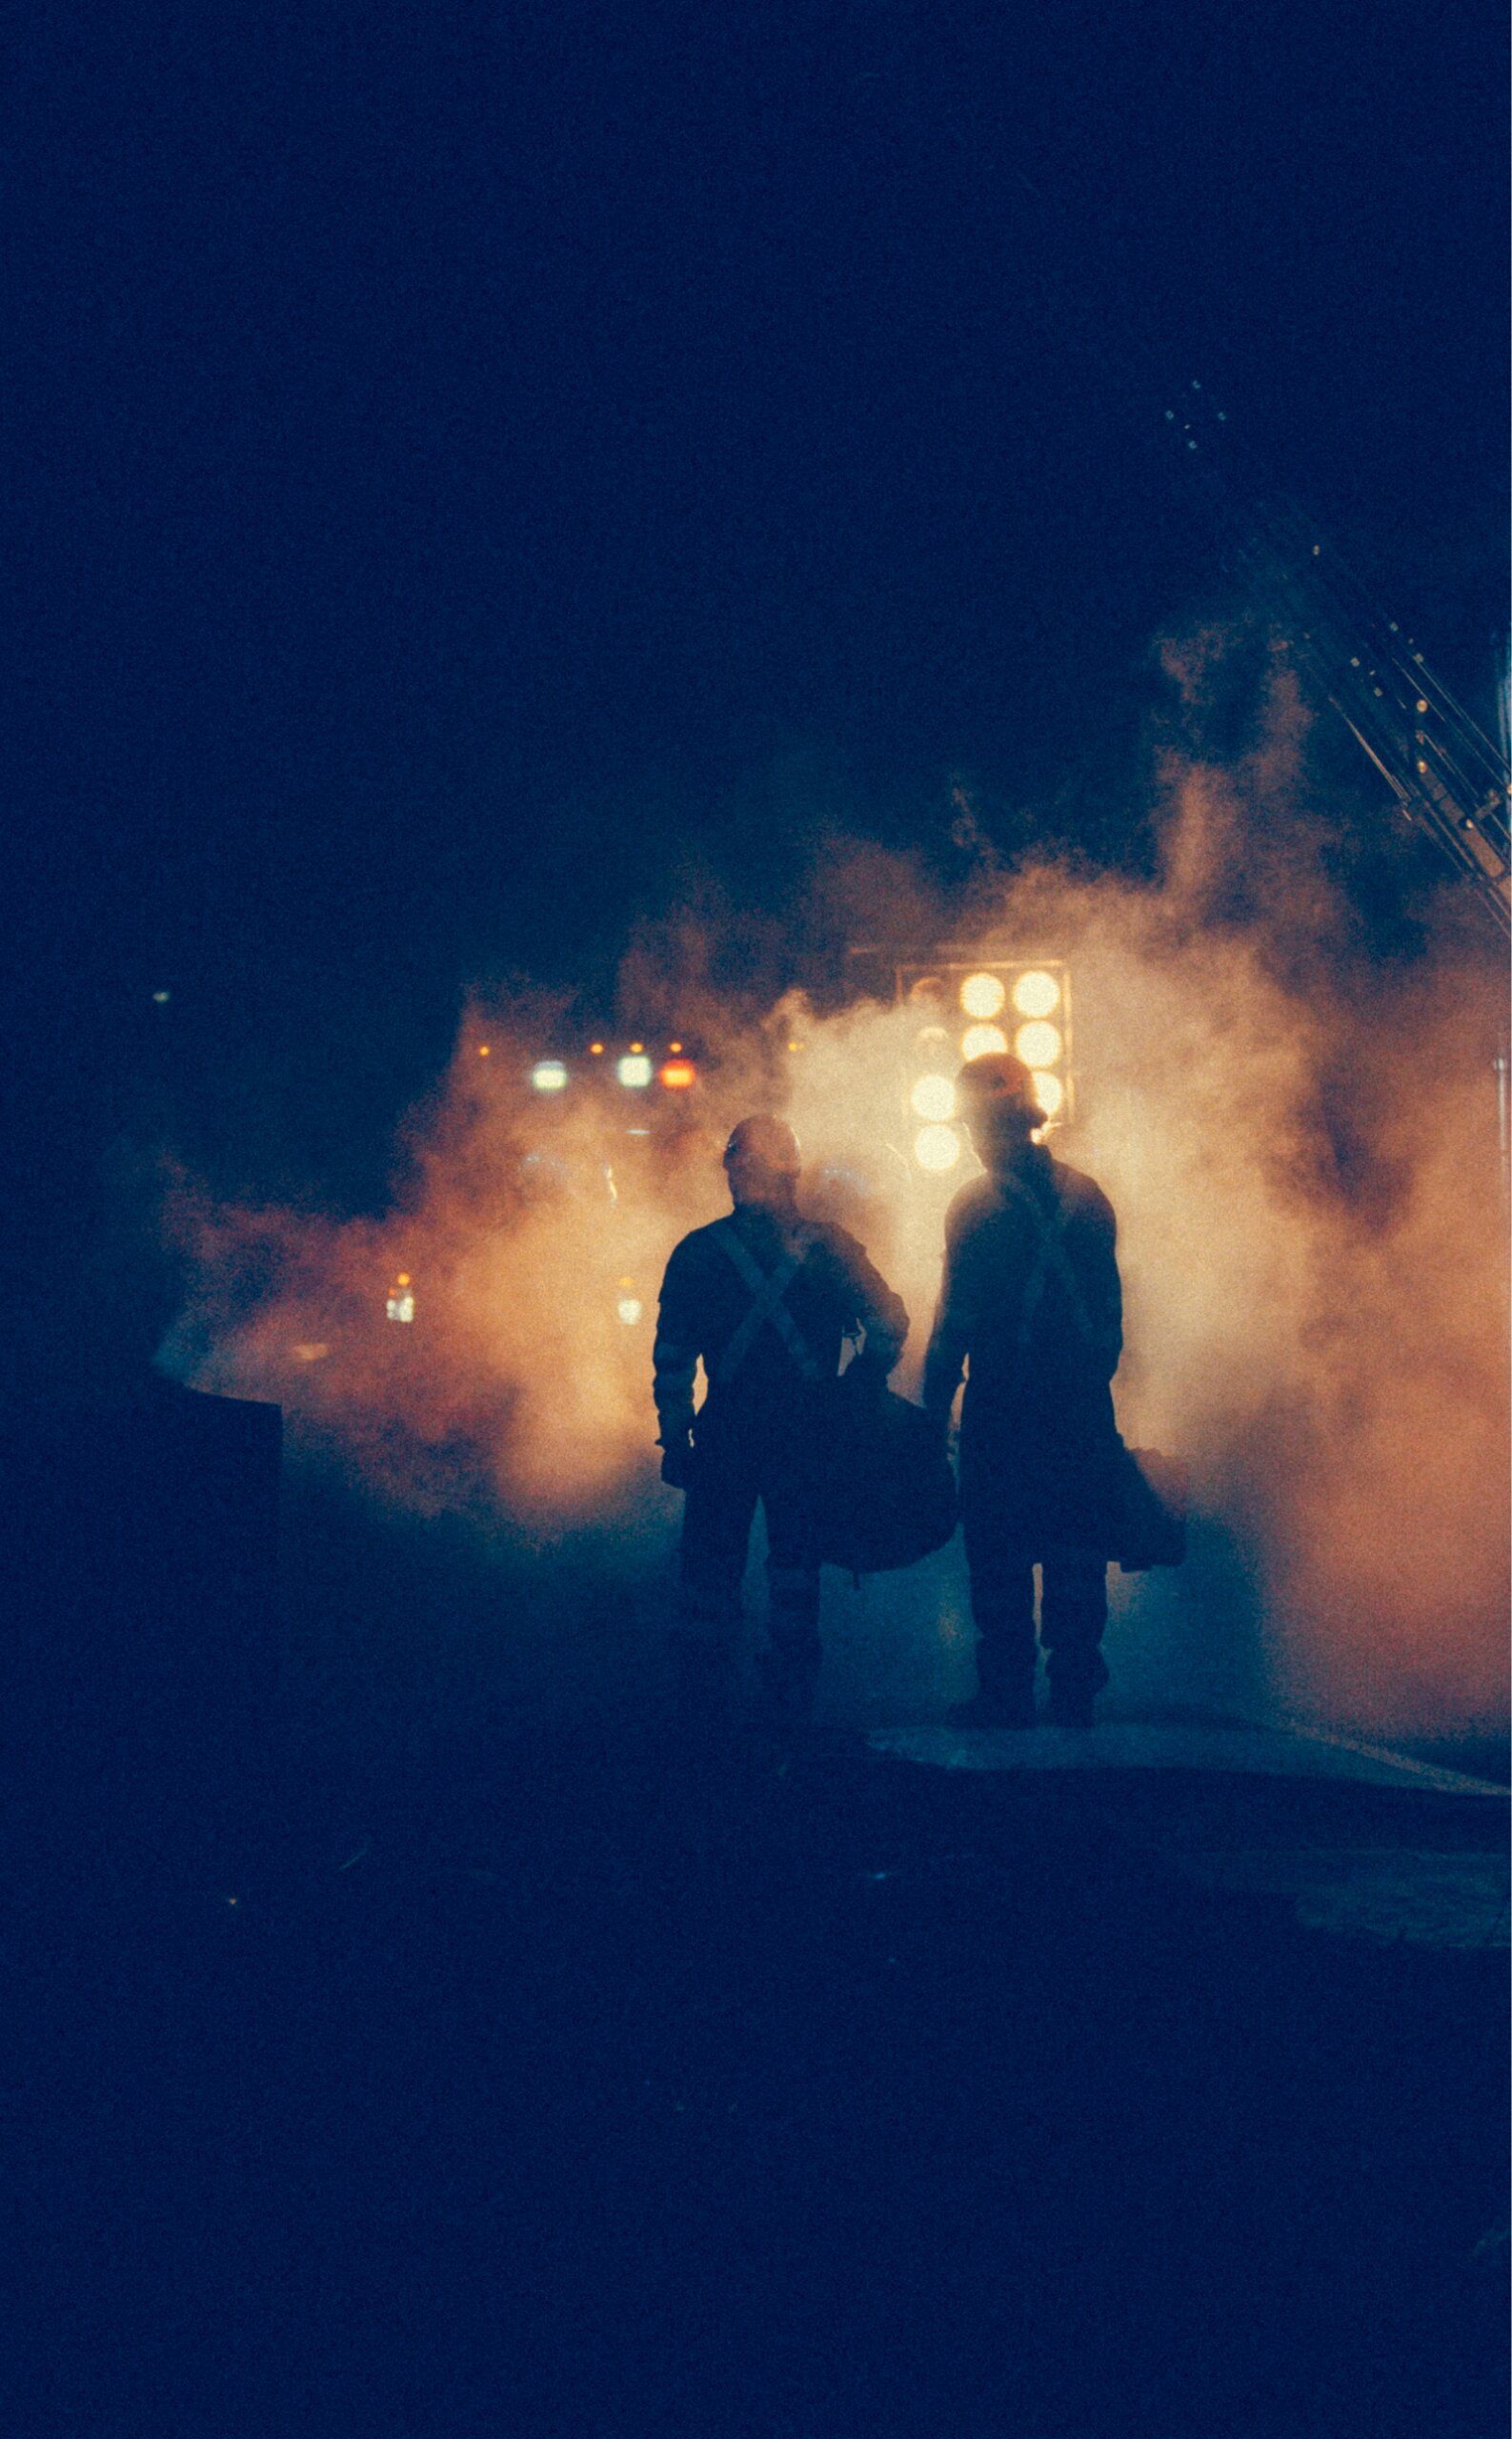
(1036,994)
(936,1148)
(549,1075)
(933,1097)
(982,995)
(634,1069)
(978,1040)
(1039,1046)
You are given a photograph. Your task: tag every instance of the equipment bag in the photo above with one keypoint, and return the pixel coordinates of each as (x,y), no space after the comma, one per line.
(1149,1510)
(886,1495)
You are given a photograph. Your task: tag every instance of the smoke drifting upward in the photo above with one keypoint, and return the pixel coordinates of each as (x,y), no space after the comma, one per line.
(1300,1141)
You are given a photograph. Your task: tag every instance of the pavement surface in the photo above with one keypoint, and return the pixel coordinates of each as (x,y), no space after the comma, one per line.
(624,2084)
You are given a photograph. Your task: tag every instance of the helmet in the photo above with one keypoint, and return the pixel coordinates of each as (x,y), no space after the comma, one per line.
(767,1143)
(998,1085)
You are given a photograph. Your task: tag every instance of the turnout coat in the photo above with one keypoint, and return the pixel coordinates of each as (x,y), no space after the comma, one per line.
(766,1302)
(1031,1308)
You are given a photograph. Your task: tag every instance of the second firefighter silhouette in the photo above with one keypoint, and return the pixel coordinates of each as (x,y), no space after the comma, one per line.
(1030,1306)
(765,1299)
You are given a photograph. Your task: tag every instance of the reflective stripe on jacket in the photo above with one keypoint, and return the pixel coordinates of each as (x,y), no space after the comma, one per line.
(765,1303)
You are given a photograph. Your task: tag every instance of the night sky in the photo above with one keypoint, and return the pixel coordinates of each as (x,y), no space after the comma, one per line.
(462,459)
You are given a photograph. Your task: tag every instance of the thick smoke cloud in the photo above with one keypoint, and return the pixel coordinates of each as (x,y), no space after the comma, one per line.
(1299,1140)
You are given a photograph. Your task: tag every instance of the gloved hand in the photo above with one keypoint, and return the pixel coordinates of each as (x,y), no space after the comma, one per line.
(679,1459)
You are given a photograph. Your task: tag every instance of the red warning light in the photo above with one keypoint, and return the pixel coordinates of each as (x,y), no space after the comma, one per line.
(678,1073)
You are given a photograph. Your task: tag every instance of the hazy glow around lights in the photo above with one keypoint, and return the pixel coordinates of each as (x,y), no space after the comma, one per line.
(1050,1093)
(1039,1046)
(936,1148)
(933,1097)
(982,995)
(980,1040)
(1036,994)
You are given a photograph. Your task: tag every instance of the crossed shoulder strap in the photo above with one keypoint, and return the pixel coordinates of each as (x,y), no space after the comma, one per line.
(768,1291)
(1050,1255)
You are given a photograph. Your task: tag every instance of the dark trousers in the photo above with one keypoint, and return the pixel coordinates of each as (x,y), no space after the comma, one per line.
(1073,1607)
(732,1469)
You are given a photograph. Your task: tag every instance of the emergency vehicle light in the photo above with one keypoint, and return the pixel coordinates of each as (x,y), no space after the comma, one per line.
(549,1075)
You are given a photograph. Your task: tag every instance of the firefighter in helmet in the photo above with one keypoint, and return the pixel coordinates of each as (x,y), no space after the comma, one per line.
(765,1299)
(1030,1305)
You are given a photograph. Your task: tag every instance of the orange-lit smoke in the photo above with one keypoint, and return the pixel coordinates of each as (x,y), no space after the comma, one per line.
(1301,1147)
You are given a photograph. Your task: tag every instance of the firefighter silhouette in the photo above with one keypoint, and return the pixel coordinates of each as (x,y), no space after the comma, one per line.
(765,1299)
(1030,1306)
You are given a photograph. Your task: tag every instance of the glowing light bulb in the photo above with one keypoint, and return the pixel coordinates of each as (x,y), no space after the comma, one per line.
(1050,1092)
(933,1097)
(1039,1046)
(1036,994)
(936,1149)
(978,1040)
(982,995)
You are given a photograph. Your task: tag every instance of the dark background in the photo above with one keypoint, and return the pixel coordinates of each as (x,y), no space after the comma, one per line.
(466,461)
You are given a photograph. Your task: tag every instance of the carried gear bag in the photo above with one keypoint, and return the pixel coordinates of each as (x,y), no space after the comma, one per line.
(1149,1510)
(886,1494)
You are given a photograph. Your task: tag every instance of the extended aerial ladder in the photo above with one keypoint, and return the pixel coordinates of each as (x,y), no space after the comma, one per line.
(1445,774)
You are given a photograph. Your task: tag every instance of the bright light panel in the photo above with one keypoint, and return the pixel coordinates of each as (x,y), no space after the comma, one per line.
(634,1069)
(549,1075)
(1039,1046)
(1050,1092)
(933,1097)
(982,995)
(979,1039)
(936,1148)
(1036,994)
(630,1309)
